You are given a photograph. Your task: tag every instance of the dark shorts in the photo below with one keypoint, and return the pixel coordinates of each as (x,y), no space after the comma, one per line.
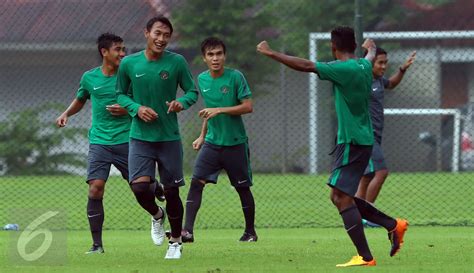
(377,160)
(235,160)
(144,156)
(101,157)
(349,166)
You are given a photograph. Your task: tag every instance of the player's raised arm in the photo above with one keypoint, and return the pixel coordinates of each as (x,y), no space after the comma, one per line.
(396,78)
(369,45)
(295,63)
(75,106)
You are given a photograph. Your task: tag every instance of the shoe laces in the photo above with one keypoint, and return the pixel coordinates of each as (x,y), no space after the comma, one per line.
(356,258)
(173,248)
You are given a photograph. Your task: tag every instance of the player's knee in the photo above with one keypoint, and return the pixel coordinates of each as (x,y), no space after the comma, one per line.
(197,184)
(142,179)
(383,174)
(338,198)
(140,188)
(360,194)
(365,180)
(334,199)
(96,189)
(171,193)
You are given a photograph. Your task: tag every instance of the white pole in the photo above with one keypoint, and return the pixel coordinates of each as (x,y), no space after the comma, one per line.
(457,127)
(456,140)
(313,111)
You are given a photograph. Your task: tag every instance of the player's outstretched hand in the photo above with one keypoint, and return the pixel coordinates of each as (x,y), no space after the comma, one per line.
(61,121)
(410,60)
(174,106)
(209,113)
(264,48)
(116,110)
(197,144)
(147,114)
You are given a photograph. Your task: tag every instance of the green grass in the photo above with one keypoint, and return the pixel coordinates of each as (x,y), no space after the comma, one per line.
(291,209)
(281,201)
(426,249)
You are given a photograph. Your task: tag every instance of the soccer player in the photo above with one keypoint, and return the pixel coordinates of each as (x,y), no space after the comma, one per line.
(351,78)
(223,141)
(146,86)
(108,135)
(376,172)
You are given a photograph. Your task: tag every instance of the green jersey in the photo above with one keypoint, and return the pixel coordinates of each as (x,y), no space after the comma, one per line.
(142,82)
(227,90)
(106,129)
(352,80)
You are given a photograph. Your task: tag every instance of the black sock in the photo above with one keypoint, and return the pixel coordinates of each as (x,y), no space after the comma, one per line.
(95,215)
(193,203)
(372,214)
(145,197)
(248,207)
(174,209)
(353,225)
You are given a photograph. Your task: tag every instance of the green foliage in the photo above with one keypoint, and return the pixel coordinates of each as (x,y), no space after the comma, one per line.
(27,143)
(296,19)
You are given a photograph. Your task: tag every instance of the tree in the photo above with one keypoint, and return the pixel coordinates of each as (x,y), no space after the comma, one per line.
(296,19)
(28,143)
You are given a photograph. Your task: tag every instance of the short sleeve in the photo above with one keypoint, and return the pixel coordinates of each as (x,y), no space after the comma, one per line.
(243,89)
(331,71)
(83,93)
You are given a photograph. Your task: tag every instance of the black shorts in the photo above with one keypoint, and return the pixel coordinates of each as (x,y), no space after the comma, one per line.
(144,156)
(101,157)
(349,166)
(235,160)
(376,161)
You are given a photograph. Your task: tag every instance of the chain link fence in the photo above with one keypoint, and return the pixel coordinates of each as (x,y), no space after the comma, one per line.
(46,46)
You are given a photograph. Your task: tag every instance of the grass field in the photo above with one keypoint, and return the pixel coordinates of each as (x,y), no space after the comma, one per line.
(282,201)
(299,230)
(427,249)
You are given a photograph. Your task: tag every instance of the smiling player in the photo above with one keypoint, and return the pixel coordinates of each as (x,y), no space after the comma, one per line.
(147,84)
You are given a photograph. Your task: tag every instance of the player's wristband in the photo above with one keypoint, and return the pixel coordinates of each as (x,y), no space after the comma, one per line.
(402,70)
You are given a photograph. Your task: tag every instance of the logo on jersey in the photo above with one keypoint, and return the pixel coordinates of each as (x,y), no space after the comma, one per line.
(164,75)
(225,89)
